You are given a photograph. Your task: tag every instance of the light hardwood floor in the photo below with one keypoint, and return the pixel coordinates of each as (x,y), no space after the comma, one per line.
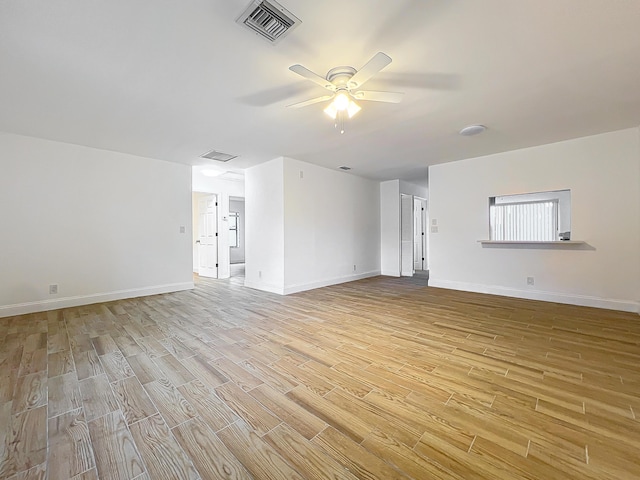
(381,378)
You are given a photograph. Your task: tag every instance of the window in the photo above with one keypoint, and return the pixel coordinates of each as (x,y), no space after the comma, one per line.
(233,230)
(533,217)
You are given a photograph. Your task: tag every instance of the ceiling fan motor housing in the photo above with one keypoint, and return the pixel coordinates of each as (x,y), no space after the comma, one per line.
(339,76)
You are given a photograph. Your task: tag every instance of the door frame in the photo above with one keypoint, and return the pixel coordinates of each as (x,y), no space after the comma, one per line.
(423,221)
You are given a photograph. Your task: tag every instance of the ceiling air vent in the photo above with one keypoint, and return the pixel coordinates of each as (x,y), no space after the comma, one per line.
(269,20)
(218,156)
(344,168)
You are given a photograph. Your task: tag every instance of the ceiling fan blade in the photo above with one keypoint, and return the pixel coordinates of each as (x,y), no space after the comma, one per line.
(373,66)
(388,97)
(309,75)
(310,102)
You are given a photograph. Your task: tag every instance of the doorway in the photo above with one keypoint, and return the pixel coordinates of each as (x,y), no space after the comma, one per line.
(413,237)
(406,235)
(236,239)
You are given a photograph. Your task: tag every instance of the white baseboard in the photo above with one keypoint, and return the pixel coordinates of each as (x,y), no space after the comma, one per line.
(308,286)
(390,273)
(66,302)
(571,299)
(265,287)
(325,283)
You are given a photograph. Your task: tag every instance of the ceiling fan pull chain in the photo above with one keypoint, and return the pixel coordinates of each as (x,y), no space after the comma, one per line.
(339,121)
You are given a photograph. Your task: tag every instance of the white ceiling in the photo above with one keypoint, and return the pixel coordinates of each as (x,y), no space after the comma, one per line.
(174,79)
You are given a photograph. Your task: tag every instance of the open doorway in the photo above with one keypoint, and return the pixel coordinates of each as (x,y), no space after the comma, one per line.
(225,185)
(406,235)
(236,238)
(413,237)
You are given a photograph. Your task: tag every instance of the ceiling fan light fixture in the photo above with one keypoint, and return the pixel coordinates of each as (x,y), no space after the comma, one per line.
(341,101)
(353,108)
(331,110)
(342,82)
(340,105)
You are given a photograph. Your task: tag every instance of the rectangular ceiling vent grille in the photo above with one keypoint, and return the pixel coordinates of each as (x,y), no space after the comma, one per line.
(268,19)
(218,156)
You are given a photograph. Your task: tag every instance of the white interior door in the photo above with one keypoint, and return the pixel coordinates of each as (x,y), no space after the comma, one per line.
(208,236)
(406,235)
(418,234)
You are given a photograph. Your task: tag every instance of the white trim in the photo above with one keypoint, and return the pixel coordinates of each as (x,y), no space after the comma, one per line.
(265,287)
(531,242)
(391,274)
(308,286)
(332,281)
(66,302)
(571,299)
(394,273)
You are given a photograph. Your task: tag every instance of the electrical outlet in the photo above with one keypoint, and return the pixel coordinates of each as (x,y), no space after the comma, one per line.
(354,268)
(434,229)
(530,281)
(301,174)
(53,289)
(182,229)
(259,273)
(434,221)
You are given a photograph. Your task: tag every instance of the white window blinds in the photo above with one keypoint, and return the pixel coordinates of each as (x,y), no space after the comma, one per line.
(526,221)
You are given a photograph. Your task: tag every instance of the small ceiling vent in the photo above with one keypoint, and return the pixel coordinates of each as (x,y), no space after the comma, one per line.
(218,156)
(270,20)
(344,167)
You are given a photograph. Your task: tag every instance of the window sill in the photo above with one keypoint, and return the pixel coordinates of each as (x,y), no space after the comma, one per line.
(525,242)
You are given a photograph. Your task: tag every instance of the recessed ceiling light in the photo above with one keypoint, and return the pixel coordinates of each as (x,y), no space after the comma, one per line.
(472,130)
(211,173)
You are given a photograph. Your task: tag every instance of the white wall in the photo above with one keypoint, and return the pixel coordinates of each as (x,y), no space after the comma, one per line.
(308,230)
(331,224)
(603,173)
(264,208)
(202,183)
(236,255)
(390,228)
(101,225)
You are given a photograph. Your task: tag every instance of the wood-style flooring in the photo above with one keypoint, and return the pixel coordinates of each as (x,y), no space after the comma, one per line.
(380,378)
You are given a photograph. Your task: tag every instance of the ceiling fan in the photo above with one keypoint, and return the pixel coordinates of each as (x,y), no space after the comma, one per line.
(345,82)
